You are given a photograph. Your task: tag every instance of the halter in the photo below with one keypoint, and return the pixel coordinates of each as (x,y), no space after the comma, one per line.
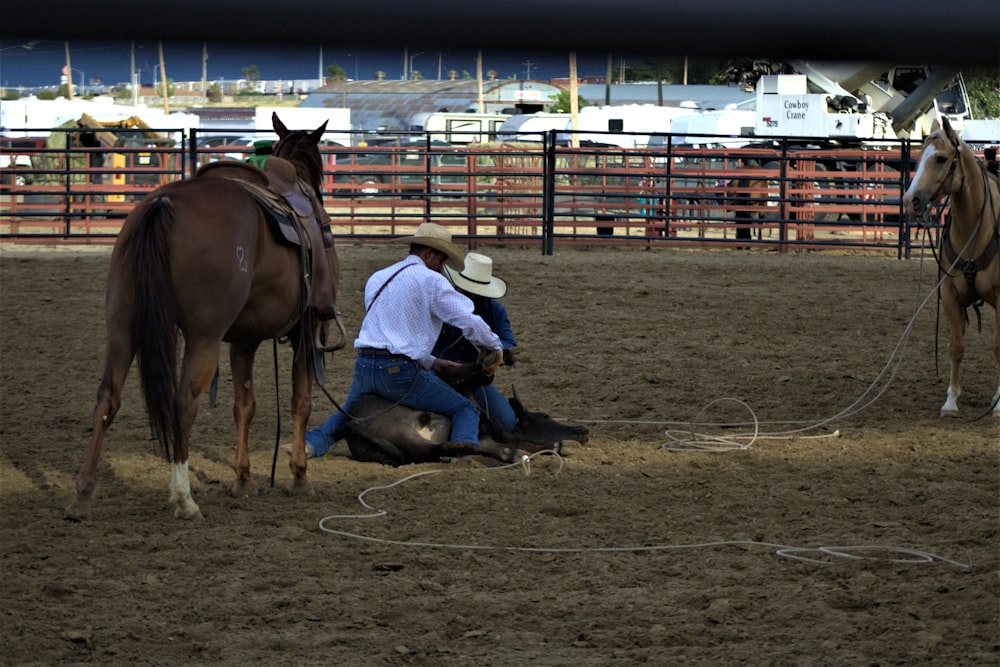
(950,176)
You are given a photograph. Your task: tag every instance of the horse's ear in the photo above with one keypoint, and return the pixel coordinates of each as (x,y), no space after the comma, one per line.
(317,134)
(279,127)
(949,131)
(935,126)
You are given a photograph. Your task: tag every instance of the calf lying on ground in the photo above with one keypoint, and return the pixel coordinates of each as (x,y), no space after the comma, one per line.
(382,431)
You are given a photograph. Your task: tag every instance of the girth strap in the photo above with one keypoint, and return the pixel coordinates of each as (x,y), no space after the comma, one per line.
(968,266)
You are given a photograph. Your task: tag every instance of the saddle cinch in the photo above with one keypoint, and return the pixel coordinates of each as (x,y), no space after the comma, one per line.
(295,217)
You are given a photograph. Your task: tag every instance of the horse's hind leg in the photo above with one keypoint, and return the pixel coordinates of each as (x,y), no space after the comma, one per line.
(197,369)
(302,375)
(241,358)
(118,356)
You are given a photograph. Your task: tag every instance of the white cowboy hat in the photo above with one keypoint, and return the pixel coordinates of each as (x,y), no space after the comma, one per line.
(477,277)
(435,236)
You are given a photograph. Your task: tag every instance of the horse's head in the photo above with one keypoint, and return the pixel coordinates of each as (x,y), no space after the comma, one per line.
(935,175)
(301,148)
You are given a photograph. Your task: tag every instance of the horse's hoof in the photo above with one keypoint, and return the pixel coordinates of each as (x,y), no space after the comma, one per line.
(299,488)
(949,413)
(244,490)
(189,516)
(76,512)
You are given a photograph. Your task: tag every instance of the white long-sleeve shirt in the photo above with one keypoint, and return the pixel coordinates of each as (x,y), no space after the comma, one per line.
(406,317)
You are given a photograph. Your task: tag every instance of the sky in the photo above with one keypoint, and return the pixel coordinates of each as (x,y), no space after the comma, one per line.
(109,63)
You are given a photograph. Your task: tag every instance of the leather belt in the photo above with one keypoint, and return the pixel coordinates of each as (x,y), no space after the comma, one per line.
(378,352)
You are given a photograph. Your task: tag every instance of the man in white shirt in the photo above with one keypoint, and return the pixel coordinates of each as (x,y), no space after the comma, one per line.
(406,305)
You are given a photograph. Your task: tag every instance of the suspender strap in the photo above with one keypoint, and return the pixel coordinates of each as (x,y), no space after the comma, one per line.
(398,271)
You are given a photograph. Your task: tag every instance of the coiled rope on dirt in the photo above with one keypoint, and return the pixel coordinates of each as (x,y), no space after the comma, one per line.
(855,552)
(685,438)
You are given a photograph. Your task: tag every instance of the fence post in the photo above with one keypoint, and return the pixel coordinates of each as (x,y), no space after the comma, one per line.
(904,248)
(193,151)
(782,197)
(428,176)
(549,193)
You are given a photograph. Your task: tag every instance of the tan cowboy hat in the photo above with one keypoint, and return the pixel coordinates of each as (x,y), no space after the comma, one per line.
(477,277)
(435,236)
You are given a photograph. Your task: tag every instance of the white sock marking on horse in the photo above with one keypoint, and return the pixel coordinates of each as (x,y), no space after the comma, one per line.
(950,406)
(180,491)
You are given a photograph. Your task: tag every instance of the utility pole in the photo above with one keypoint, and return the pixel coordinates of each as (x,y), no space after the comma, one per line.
(69,75)
(607,84)
(204,73)
(163,75)
(527,64)
(479,79)
(574,101)
(135,80)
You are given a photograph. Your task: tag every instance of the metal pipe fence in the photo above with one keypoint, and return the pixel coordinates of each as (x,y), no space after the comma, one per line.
(786,195)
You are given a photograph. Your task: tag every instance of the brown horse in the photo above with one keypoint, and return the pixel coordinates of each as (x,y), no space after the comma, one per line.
(197,260)
(969,260)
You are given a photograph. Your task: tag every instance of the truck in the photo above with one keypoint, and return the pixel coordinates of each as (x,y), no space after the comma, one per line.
(815,106)
(858,104)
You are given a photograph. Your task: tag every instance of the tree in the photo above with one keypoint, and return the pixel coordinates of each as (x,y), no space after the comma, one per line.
(561,102)
(671,70)
(335,72)
(983,86)
(252,76)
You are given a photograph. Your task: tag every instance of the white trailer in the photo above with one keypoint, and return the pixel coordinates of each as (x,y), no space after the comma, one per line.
(338,121)
(626,126)
(531,127)
(713,129)
(457,127)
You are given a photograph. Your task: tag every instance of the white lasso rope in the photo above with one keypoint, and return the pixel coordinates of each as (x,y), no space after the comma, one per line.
(855,552)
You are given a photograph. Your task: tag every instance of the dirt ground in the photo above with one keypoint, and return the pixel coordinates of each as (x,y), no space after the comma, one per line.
(623,551)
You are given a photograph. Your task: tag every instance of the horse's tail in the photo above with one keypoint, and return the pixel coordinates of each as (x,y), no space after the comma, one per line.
(155,322)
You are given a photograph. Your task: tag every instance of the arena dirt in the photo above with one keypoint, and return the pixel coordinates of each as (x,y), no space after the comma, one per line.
(620,552)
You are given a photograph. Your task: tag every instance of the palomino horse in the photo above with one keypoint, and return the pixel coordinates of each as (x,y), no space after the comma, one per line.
(198,259)
(970,247)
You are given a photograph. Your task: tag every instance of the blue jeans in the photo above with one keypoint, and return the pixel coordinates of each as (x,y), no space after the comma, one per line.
(496,405)
(399,379)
